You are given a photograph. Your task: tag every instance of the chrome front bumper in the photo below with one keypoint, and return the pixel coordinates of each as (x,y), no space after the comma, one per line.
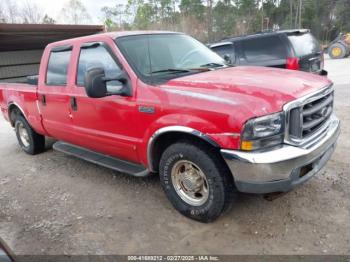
(280,170)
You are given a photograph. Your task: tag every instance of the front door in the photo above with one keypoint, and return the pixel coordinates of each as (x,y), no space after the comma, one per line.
(106,124)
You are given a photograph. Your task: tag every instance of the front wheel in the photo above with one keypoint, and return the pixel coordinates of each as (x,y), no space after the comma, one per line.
(196,181)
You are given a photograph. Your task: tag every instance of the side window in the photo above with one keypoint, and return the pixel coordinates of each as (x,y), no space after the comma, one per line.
(96,56)
(226,50)
(57,69)
(264,49)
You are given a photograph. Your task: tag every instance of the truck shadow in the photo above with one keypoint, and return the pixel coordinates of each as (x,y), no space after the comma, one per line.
(244,205)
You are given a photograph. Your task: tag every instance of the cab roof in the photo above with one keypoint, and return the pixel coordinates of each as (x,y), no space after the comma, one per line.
(112,35)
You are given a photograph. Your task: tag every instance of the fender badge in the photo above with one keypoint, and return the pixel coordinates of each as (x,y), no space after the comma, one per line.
(147,109)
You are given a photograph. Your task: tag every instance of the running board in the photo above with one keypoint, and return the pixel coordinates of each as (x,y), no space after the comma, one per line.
(116,164)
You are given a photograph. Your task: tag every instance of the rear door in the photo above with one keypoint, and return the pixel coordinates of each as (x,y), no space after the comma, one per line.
(308,50)
(263,51)
(53,92)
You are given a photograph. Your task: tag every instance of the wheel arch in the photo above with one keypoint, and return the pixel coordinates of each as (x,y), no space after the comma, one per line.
(13,110)
(166,136)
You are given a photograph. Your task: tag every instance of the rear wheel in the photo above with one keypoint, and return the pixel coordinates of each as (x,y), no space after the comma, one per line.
(337,51)
(31,142)
(196,181)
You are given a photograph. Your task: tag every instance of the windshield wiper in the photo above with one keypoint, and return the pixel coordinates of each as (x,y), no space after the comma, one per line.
(212,65)
(171,70)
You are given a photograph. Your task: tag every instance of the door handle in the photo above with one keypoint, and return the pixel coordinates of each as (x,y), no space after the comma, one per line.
(73,103)
(43,100)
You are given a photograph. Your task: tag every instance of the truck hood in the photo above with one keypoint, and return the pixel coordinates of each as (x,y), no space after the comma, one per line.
(256,90)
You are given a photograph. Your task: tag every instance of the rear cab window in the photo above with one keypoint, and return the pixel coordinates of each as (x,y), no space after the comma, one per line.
(57,69)
(304,44)
(262,49)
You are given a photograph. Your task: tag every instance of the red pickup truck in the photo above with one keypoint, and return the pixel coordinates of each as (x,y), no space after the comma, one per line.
(161,102)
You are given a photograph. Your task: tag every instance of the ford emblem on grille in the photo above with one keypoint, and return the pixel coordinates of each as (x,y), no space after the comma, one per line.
(324,111)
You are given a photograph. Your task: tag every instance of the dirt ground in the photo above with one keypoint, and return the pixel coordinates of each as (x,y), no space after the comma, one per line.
(56,204)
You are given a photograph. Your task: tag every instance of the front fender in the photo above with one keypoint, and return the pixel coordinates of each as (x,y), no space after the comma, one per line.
(187,124)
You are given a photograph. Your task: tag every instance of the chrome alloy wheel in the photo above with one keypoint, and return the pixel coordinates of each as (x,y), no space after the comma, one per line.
(190,183)
(23,135)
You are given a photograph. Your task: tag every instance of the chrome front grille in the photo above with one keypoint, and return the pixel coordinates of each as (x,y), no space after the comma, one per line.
(316,113)
(308,116)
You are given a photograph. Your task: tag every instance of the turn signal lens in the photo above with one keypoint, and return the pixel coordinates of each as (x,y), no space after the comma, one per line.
(247,145)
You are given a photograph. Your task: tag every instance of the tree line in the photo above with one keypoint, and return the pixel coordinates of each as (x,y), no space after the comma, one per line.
(207,20)
(210,20)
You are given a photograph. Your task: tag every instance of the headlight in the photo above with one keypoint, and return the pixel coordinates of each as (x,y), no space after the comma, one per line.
(263,132)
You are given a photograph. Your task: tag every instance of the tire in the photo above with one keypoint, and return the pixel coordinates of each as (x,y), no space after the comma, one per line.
(337,51)
(31,142)
(205,161)
(347,51)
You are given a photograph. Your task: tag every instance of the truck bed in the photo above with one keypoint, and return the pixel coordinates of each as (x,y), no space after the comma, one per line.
(24,97)
(12,92)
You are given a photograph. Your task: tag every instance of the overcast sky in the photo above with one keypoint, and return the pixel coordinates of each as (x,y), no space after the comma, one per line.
(53,7)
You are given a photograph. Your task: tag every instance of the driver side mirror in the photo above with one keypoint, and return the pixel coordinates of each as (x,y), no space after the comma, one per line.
(96,84)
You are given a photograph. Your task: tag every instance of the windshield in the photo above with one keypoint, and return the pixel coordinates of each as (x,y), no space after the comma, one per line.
(304,44)
(167,55)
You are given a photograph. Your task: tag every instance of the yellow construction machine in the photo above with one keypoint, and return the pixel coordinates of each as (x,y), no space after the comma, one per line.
(340,47)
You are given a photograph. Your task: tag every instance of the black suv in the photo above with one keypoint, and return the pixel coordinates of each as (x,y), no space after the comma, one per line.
(291,49)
